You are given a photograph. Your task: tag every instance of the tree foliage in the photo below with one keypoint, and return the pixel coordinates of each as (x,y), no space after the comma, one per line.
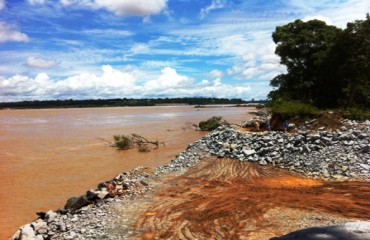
(326,66)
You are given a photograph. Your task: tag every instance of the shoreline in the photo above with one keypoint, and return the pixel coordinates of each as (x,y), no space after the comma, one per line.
(223,142)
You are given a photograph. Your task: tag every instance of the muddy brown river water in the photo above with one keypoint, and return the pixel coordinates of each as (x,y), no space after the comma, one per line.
(47,156)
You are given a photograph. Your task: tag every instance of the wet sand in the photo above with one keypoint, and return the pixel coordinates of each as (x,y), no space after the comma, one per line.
(47,156)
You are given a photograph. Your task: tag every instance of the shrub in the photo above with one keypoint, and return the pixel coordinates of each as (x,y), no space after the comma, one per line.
(123,142)
(211,124)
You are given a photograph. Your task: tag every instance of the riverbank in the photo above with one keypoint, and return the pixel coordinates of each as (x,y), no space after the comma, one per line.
(253,184)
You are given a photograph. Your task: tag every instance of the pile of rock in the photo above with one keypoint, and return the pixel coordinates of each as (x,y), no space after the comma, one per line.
(89,222)
(341,154)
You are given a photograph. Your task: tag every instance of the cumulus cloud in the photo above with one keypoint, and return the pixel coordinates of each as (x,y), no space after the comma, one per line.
(2,4)
(9,33)
(111,83)
(216,4)
(114,83)
(122,7)
(168,79)
(35,2)
(35,62)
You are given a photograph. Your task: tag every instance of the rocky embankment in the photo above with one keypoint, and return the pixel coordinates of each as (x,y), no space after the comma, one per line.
(342,154)
(335,155)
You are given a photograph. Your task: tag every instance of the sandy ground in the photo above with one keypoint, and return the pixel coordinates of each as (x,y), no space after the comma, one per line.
(228,199)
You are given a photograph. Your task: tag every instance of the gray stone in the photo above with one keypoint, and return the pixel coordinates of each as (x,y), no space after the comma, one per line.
(262,162)
(77,203)
(365,149)
(249,152)
(102,194)
(365,166)
(27,233)
(40,226)
(50,215)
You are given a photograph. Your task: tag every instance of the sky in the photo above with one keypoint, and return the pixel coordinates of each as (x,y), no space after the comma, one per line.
(91,49)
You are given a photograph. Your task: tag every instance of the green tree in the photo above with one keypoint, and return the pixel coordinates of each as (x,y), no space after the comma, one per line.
(302,47)
(354,46)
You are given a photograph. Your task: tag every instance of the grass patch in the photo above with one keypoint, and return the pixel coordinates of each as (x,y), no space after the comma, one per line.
(355,113)
(292,109)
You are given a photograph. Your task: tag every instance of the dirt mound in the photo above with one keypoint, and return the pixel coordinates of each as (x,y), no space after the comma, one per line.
(228,199)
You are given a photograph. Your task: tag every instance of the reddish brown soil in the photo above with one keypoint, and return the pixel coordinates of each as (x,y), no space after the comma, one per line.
(228,199)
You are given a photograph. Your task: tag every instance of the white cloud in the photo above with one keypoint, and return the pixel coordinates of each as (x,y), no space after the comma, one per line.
(132,8)
(216,4)
(234,70)
(68,2)
(109,32)
(169,79)
(140,48)
(249,57)
(234,45)
(337,13)
(35,2)
(152,64)
(35,62)
(2,4)
(327,20)
(216,74)
(250,72)
(8,33)
(111,83)
(114,83)
(122,7)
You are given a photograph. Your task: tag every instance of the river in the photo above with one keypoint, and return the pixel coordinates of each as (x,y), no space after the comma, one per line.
(49,155)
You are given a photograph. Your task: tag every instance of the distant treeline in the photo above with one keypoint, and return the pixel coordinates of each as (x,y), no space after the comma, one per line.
(119,102)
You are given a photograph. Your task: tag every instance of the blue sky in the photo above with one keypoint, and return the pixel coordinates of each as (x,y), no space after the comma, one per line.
(82,49)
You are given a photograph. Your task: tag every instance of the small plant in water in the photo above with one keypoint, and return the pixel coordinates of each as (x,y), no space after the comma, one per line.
(124,142)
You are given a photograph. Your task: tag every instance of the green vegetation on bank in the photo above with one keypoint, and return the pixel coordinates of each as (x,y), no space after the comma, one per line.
(327,67)
(357,114)
(119,102)
(212,123)
(291,109)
